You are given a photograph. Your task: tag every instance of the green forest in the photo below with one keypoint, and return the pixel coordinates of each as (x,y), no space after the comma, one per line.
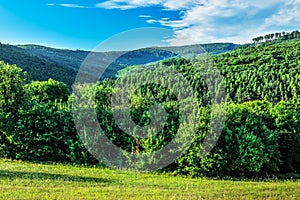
(42,63)
(260,136)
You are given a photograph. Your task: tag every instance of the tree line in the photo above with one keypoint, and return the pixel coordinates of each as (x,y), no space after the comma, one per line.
(278,35)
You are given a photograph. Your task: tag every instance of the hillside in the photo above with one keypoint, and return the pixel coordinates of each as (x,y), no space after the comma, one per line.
(258,138)
(238,63)
(43,63)
(261,130)
(267,71)
(74,59)
(37,68)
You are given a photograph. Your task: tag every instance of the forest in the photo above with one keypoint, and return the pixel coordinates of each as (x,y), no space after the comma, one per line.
(42,63)
(260,136)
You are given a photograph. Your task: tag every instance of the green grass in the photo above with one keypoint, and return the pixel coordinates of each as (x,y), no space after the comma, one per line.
(23,180)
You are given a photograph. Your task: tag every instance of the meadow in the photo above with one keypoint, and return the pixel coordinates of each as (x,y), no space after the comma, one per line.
(24,180)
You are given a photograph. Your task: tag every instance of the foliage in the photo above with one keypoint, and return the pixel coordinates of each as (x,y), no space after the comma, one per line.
(44,133)
(260,137)
(277,36)
(247,146)
(265,72)
(49,90)
(12,98)
(287,117)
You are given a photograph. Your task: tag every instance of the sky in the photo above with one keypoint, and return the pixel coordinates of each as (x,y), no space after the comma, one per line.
(129,24)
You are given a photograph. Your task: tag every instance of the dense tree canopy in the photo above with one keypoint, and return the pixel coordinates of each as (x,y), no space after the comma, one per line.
(49,90)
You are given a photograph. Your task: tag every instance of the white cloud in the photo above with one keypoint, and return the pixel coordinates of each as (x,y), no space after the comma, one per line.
(127,4)
(167,4)
(68,5)
(232,21)
(145,16)
(110,5)
(216,20)
(151,21)
(288,15)
(181,4)
(177,4)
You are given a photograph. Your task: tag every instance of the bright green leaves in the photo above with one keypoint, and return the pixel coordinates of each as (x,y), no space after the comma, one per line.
(12,98)
(46,91)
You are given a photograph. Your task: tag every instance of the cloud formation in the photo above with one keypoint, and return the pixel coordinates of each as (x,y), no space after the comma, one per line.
(203,21)
(145,16)
(68,5)
(288,15)
(166,4)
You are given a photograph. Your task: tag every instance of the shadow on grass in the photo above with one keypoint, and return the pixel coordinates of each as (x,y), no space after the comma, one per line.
(48,176)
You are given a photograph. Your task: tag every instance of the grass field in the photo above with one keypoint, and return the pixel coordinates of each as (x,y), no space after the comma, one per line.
(23,180)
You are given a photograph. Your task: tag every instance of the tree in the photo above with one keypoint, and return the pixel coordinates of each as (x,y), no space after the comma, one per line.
(256,40)
(277,35)
(267,37)
(287,116)
(44,132)
(50,90)
(12,98)
(248,143)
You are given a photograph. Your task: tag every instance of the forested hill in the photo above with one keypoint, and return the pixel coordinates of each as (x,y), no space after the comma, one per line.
(65,57)
(260,136)
(37,68)
(267,71)
(43,63)
(74,59)
(264,71)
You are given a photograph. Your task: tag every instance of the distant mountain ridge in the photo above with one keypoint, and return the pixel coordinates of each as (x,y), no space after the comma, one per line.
(37,68)
(74,58)
(43,62)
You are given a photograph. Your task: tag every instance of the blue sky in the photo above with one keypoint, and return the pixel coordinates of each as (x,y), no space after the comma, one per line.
(78,24)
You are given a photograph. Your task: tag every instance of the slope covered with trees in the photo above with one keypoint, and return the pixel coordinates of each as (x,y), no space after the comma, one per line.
(43,63)
(262,72)
(37,68)
(260,135)
(73,59)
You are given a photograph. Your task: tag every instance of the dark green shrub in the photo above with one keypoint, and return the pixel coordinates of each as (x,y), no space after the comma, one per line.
(247,147)
(44,133)
(46,91)
(287,118)
(12,98)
